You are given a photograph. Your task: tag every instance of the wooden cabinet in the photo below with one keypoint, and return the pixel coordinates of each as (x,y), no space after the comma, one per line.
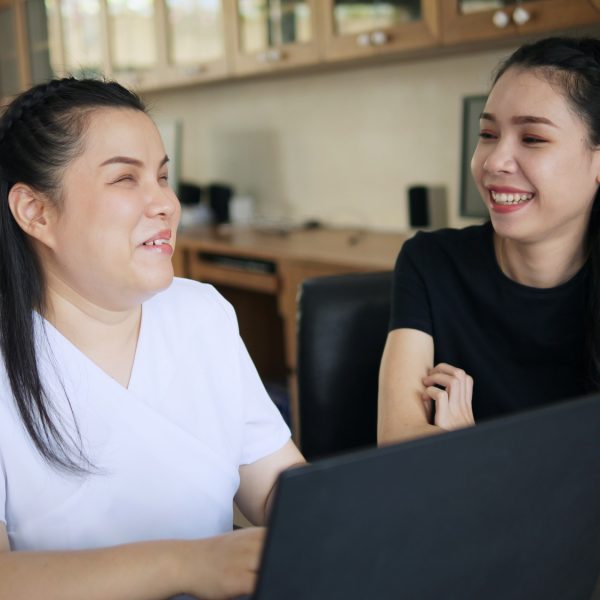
(77,37)
(153,44)
(271,35)
(480,20)
(361,29)
(132,40)
(193,39)
(145,44)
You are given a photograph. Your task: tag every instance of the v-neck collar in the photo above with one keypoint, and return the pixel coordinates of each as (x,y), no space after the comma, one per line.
(133,377)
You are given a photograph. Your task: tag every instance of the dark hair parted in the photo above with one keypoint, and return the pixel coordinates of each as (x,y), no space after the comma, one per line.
(41,132)
(573,65)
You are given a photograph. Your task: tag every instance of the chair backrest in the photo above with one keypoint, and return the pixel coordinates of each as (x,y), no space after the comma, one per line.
(342,328)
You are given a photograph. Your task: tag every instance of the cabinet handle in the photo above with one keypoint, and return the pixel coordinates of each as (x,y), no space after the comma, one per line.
(500,19)
(521,15)
(379,38)
(272,55)
(195,70)
(364,40)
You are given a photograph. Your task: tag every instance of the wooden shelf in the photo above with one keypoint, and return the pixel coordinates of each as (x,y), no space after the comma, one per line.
(239,278)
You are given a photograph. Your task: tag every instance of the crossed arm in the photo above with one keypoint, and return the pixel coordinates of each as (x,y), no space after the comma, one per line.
(410,385)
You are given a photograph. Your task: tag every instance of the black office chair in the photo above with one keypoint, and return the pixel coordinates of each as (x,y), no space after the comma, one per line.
(342,328)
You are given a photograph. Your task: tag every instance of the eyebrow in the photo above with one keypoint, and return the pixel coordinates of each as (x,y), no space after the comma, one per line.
(131,161)
(521,120)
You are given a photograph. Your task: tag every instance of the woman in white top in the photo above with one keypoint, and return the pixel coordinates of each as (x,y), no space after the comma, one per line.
(130,413)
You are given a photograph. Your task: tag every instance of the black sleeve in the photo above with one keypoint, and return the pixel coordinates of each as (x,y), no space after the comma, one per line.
(410,298)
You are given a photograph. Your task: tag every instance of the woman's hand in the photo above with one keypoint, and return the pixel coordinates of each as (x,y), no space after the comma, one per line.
(452,390)
(222,567)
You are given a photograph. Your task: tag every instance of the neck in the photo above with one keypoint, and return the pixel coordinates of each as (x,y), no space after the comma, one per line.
(107,337)
(544,264)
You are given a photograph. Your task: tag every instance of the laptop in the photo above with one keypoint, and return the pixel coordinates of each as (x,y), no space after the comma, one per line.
(509,509)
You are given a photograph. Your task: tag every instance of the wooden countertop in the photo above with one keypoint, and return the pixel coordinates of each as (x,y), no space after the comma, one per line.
(344,247)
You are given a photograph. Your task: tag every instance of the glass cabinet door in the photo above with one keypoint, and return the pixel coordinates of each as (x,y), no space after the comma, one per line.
(132,36)
(76,39)
(470,20)
(274,33)
(196,37)
(358,17)
(470,7)
(362,28)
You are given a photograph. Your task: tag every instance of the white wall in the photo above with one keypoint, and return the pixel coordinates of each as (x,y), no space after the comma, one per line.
(341,146)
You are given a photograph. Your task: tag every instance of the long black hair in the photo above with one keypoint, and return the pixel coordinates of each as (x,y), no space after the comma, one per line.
(41,132)
(573,65)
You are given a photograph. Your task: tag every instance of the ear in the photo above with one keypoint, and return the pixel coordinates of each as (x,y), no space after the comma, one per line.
(597,164)
(34,212)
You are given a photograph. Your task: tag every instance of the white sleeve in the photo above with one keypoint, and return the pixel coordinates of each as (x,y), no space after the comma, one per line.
(265,430)
(2,492)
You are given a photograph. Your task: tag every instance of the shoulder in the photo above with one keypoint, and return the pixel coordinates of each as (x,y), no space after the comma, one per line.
(190,301)
(450,240)
(462,246)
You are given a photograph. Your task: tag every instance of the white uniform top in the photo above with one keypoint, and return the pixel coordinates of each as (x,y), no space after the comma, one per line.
(167,449)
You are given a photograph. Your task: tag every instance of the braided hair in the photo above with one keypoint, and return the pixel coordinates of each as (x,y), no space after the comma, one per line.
(41,132)
(573,65)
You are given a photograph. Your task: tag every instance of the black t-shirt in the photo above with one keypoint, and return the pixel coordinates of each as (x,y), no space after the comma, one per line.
(523,346)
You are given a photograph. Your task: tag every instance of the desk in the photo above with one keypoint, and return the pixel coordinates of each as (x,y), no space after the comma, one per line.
(259,272)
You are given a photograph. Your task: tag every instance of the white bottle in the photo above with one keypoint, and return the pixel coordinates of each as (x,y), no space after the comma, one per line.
(241,210)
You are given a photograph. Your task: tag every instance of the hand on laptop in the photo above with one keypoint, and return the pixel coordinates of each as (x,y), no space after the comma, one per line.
(222,567)
(451,389)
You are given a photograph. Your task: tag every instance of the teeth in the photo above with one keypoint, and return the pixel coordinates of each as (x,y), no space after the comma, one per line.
(156,243)
(511,198)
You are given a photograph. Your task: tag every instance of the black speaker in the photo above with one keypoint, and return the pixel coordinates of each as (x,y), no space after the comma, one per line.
(427,207)
(219,195)
(189,193)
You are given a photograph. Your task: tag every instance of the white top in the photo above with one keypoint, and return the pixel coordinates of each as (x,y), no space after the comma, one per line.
(167,449)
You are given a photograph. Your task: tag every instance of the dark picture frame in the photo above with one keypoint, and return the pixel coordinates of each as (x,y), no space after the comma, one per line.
(471,204)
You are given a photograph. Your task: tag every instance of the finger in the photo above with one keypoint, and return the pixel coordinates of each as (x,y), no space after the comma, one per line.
(448,370)
(427,406)
(443,379)
(436,394)
(440,397)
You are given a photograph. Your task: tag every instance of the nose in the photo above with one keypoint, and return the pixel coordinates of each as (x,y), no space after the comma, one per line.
(500,158)
(162,202)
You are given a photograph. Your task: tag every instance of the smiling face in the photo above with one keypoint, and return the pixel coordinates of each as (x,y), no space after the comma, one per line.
(113,234)
(533,165)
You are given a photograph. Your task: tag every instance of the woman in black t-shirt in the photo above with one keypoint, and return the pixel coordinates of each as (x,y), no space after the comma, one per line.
(505,316)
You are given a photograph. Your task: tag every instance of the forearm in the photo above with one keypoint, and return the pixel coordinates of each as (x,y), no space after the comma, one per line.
(143,571)
(403,433)
(258,481)
(271,496)
(402,414)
